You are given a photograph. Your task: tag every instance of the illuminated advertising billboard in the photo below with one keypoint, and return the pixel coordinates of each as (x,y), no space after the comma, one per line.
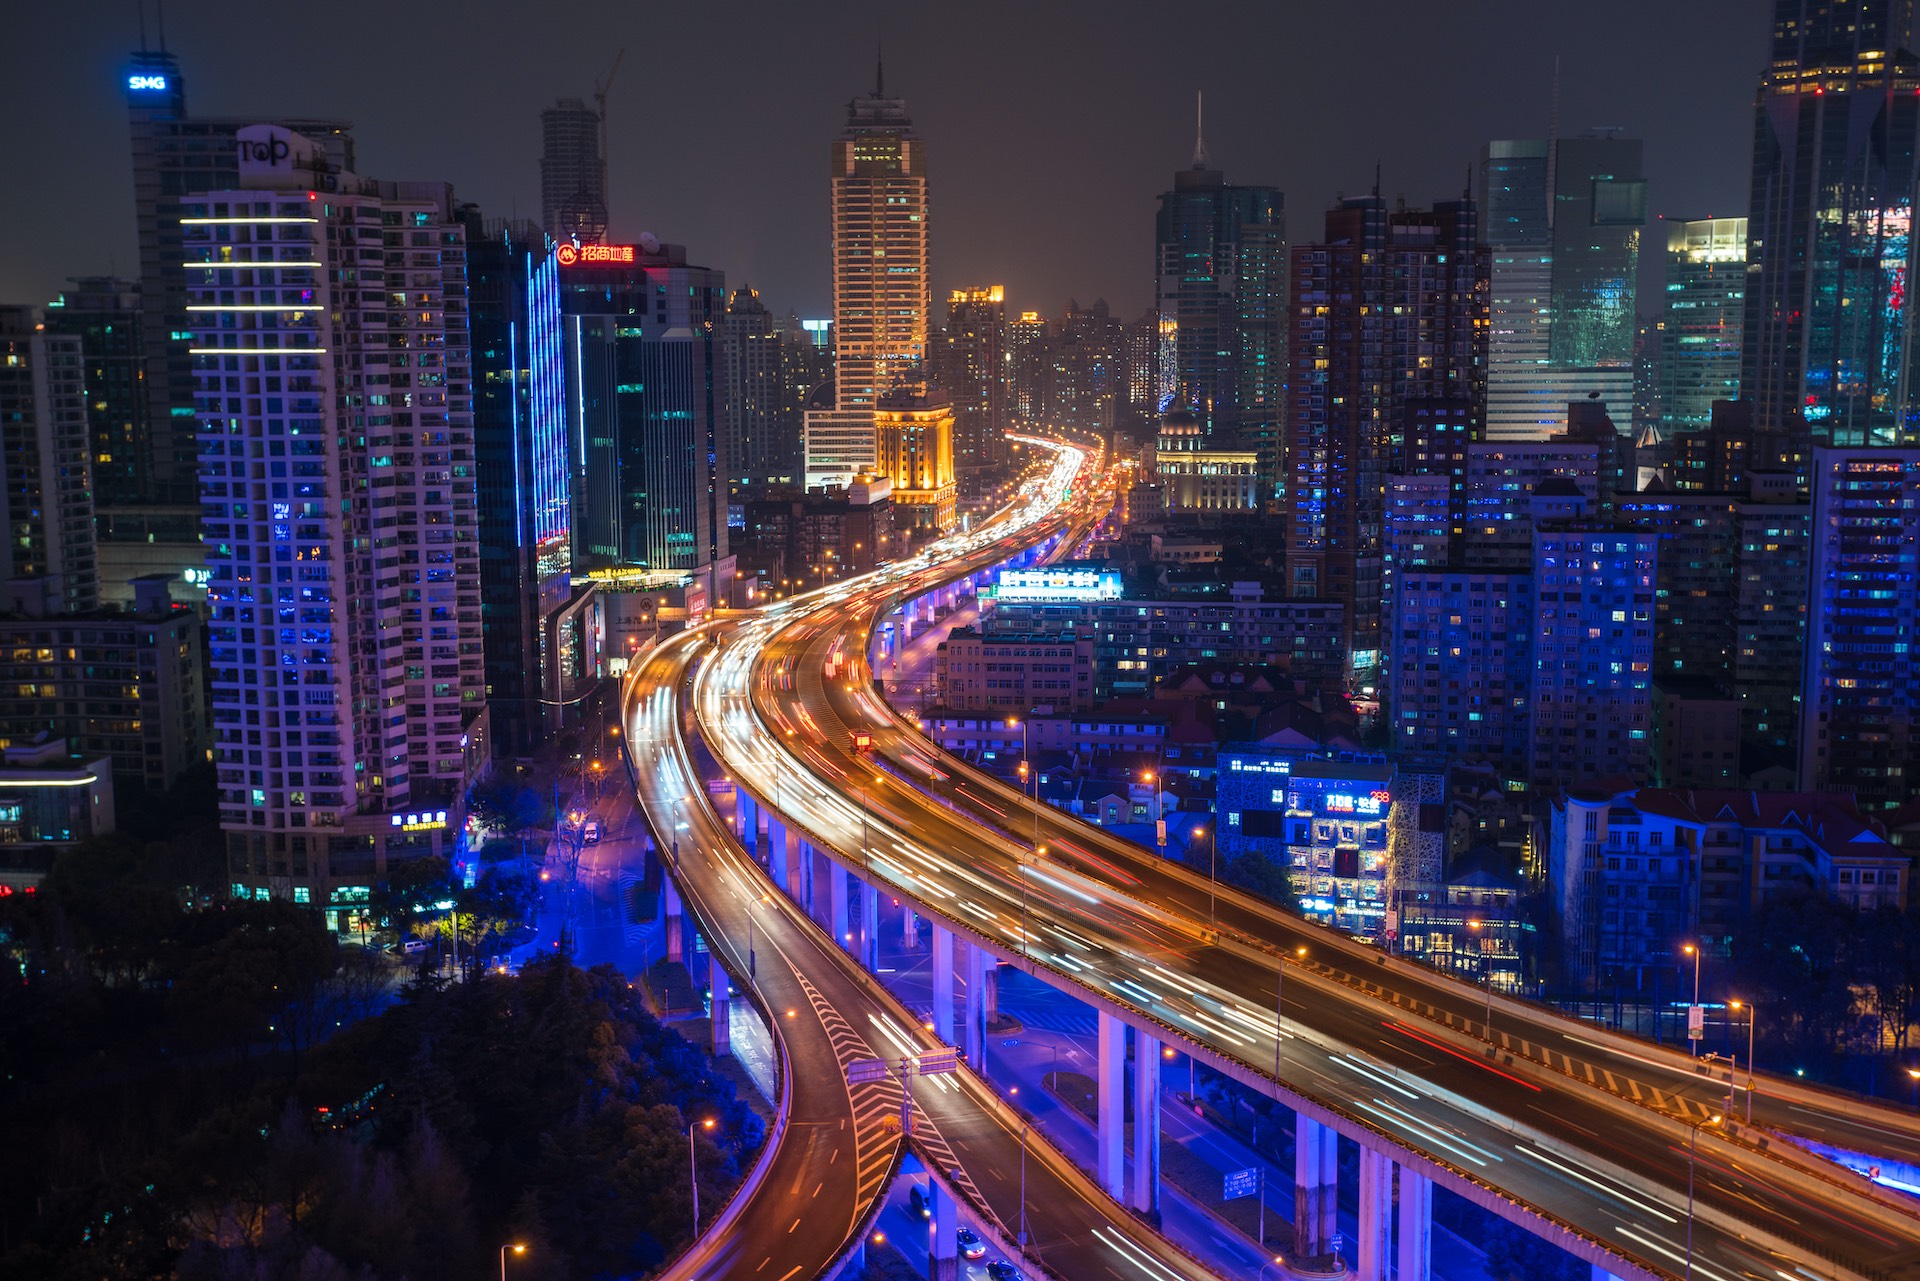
(1058,584)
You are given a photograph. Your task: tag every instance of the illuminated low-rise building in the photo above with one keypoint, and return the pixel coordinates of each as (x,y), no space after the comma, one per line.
(913,448)
(50,801)
(1004,670)
(1349,833)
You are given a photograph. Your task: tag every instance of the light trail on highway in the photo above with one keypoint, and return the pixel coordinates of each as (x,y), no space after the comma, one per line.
(783,728)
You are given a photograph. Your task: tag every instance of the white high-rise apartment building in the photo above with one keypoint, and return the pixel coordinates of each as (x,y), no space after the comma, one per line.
(337,486)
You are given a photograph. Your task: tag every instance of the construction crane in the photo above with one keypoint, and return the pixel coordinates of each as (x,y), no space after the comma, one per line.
(600,88)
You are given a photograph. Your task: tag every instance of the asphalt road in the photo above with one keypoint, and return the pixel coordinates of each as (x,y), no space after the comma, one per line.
(841,1143)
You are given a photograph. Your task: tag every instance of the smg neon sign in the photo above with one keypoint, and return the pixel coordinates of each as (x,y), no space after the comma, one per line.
(147,84)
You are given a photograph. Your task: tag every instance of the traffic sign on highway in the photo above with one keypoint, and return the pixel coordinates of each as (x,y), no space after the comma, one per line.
(939,1064)
(861,1071)
(1241,1183)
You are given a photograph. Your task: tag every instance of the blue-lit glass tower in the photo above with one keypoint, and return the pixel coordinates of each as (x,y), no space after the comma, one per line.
(520,448)
(1828,351)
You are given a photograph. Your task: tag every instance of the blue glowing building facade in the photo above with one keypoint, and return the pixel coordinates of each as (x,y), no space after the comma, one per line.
(1862,684)
(1354,835)
(337,482)
(525,499)
(1828,348)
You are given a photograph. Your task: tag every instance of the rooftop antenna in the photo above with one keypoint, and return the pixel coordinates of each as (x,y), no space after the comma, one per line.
(160,13)
(1553,141)
(879,69)
(600,88)
(140,7)
(1199,129)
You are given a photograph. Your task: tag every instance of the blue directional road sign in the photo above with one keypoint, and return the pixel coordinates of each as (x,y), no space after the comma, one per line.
(1241,1183)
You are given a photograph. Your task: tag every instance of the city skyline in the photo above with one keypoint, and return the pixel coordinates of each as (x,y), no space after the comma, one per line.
(690,173)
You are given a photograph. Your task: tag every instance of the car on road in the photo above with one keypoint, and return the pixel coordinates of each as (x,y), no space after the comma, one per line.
(407,947)
(1001,1270)
(971,1246)
(591,832)
(918,1203)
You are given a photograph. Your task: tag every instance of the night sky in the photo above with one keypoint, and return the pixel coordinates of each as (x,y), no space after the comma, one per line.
(1050,127)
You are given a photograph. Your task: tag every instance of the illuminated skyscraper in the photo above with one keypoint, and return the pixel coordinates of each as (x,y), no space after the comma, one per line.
(1829,346)
(758,450)
(1706,305)
(1563,224)
(573,173)
(1861,691)
(1389,311)
(642,334)
(533,652)
(881,290)
(970,368)
(338,498)
(1220,272)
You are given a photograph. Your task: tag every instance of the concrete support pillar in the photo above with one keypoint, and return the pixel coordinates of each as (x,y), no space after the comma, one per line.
(1416,1227)
(990,991)
(776,847)
(1374,1248)
(1316,1186)
(1601,1274)
(722,1016)
(1110,1075)
(810,860)
(870,927)
(909,929)
(976,1047)
(837,919)
(748,813)
(943,1251)
(1146,1125)
(676,922)
(943,984)
(790,859)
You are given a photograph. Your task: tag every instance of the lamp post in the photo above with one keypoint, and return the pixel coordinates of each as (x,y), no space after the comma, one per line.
(1696,1020)
(752,970)
(1486,972)
(1693,1138)
(693,1165)
(1030,782)
(1152,779)
(1279,1011)
(1915,1074)
(1753,1014)
(514,1246)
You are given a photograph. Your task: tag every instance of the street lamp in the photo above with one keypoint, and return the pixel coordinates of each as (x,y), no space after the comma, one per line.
(1279,1010)
(1693,1138)
(1753,1014)
(1152,780)
(1486,972)
(1915,1074)
(514,1246)
(1029,773)
(693,1164)
(1694,1033)
(752,971)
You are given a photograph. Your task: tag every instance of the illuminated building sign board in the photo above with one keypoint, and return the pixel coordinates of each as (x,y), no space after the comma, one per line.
(592,255)
(1058,584)
(147,84)
(428,821)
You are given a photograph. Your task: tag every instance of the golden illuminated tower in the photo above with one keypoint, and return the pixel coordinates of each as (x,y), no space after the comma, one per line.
(881,298)
(913,446)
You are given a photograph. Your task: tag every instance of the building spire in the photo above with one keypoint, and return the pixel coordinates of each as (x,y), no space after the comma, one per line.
(1199,129)
(879,70)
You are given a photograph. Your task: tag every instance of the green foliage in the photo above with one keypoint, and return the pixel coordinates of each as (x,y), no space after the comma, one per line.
(172,1110)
